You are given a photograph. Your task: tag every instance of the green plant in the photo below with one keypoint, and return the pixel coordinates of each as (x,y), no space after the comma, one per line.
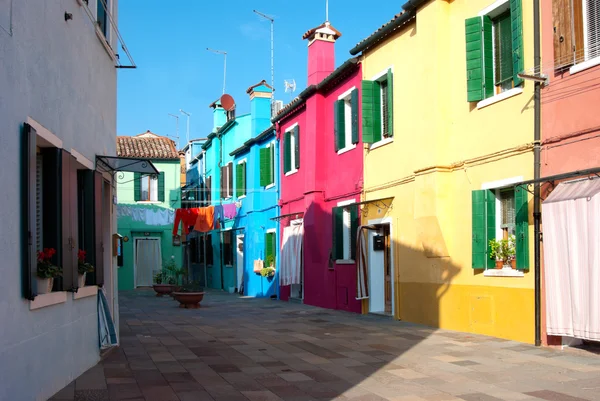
(158,277)
(267,271)
(270,261)
(194,286)
(82,266)
(503,249)
(45,268)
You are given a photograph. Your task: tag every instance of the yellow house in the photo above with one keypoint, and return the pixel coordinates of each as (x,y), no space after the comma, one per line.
(449,127)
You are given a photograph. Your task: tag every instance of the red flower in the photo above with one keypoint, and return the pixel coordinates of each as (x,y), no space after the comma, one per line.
(81,255)
(46,254)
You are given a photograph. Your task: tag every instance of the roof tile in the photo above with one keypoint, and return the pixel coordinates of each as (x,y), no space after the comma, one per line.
(147,145)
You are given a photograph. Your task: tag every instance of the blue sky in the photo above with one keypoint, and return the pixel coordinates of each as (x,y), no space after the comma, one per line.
(175,71)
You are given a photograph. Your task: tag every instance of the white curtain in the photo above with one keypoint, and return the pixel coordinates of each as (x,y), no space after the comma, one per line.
(571,218)
(291,255)
(147,262)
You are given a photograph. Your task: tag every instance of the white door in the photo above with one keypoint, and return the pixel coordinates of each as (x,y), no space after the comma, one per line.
(148,260)
(376,277)
(239,248)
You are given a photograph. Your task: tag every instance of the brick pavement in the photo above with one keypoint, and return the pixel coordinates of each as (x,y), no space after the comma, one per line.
(261,350)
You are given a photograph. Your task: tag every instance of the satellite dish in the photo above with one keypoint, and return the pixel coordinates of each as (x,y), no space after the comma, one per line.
(227,102)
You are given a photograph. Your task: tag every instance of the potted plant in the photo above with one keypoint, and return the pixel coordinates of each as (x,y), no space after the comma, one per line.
(503,251)
(163,284)
(267,271)
(189,295)
(83,268)
(46,270)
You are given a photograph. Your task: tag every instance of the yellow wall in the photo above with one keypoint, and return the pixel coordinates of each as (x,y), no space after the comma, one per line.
(444,148)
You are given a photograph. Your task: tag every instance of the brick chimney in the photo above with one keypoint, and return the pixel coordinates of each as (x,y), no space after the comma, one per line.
(321,52)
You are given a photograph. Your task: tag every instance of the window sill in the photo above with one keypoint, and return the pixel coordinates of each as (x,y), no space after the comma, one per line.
(585,65)
(381,143)
(270,186)
(52,298)
(228,265)
(500,97)
(346,149)
(344,262)
(241,197)
(105,44)
(291,172)
(88,291)
(503,273)
(150,202)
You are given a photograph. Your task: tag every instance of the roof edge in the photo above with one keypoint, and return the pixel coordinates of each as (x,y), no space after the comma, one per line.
(410,12)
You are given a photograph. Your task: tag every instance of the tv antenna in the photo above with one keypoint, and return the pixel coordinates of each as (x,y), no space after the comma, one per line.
(290,86)
(224,53)
(176,117)
(272,20)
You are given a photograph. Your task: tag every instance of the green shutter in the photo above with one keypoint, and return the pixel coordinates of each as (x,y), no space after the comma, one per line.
(522,228)
(390,101)
(269,248)
(244,186)
(488,57)
(338,227)
(339,119)
(161,186)
(354,223)
(264,166)
(287,152)
(272,164)
(137,187)
(474,41)
(483,226)
(371,111)
(297,146)
(274,247)
(354,106)
(516,17)
(239,179)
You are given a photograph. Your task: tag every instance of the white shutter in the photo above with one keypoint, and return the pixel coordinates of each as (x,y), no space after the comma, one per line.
(38,203)
(592,22)
(346,233)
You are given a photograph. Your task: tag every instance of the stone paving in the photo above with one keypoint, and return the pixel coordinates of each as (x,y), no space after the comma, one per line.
(236,348)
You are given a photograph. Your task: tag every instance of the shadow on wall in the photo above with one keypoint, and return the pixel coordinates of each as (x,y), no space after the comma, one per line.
(565,85)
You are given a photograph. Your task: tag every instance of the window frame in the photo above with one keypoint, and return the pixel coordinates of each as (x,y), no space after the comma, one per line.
(271,146)
(152,188)
(346,237)
(292,146)
(348,126)
(586,61)
(243,161)
(229,254)
(379,78)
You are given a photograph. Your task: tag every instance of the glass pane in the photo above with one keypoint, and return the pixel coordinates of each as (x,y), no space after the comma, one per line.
(503,63)
(145,188)
(154,188)
(593,28)
(507,207)
(384,108)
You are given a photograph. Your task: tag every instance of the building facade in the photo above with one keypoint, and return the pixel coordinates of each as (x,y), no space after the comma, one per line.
(55,122)
(438,190)
(146,208)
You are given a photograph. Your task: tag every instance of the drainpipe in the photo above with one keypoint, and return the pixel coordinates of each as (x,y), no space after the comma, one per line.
(536,173)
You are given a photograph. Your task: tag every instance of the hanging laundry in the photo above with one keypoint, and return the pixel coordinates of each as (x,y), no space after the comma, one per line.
(291,255)
(229,211)
(219,220)
(187,217)
(205,220)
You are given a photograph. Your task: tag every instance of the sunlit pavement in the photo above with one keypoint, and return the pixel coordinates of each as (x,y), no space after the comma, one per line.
(248,349)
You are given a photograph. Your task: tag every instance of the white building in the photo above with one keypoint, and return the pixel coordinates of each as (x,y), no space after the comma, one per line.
(57,117)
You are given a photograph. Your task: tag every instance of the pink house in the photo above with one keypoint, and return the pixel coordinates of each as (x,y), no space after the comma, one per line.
(322,157)
(570,150)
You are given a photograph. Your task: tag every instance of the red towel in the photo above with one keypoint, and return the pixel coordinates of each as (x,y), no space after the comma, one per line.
(205,220)
(188,218)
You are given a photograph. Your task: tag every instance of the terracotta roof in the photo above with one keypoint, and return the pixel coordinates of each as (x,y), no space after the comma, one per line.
(382,32)
(261,83)
(323,25)
(147,145)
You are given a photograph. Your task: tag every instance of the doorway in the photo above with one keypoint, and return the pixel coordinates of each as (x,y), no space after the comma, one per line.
(239,261)
(297,290)
(148,260)
(381,270)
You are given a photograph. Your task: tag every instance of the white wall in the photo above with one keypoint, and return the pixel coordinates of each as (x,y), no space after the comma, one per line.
(59,74)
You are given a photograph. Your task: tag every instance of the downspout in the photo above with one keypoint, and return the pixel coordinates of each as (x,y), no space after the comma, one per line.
(536,173)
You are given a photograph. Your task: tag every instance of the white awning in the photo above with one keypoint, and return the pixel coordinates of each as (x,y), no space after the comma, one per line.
(585,188)
(127,164)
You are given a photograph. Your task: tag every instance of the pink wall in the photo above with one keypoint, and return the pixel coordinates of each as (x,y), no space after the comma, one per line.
(321,61)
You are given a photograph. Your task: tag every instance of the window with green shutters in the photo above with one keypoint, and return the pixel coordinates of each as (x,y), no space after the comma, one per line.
(346,121)
(494,51)
(149,188)
(270,248)
(345,227)
(267,165)
(497,214)
(378,108)
(291,150)
(240,179)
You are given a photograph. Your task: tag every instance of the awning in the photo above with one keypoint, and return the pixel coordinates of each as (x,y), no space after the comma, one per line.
(578,189)
(125,164)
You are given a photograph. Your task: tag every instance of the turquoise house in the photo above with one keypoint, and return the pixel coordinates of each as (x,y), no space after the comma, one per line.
(145,209)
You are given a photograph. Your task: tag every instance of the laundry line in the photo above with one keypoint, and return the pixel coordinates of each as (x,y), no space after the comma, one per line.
(152,215)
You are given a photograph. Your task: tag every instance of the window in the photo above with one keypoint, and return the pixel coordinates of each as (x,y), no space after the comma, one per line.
(149,188)
(494,50)
(227,181)
(208,190)
(346,121)
(267,165)
(496,214)
(228,248)
(240,179)
(576,31)
(102,16)
(209,250)
(270,249)
(345,227)
(291,150)
(377,108)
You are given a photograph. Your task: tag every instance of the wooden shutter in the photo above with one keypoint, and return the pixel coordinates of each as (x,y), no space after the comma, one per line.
(354,107)
(371,112)
(137,187)
(297,146)
(272,164)
(480,58)
(287,151)
(52,202)
(488,57)
(338,228)
(244,183)
(99,228)
(229,179)
(516,18)
(161,186)
(28,216)
(39,203)
(87,221)
(208,190)
(222,188)
(483,225)
(269,248)
(339,123)
(390,103)
(522,228)
(69,222)
(239,179)
(578,50)
(503,49)
(563,36)
(490,225)
(264,166)
(354,223)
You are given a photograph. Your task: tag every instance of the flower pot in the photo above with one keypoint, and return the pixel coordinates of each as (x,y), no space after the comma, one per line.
(499,264)
(44,285)
(81,280)
(163,289)
(513,263)
(188,300)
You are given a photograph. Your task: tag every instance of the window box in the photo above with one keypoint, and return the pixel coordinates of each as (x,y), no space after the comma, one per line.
(44,300)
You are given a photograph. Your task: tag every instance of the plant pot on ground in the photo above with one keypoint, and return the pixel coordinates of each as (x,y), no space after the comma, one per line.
(82,268)
(163,285)
(189,296)
(46,271)
(503,251)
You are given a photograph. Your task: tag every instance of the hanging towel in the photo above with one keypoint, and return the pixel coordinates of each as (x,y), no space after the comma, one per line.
(291,255)
(205,220)
(362,284)
(187,217)
(229,211)
(218,216)
(107,334)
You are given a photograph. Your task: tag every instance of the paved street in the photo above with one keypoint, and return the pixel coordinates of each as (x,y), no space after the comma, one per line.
(247,349)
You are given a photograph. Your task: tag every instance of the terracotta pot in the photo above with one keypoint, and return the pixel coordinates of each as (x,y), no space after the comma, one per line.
(499,264)
(189,300)
(513,263)
(44,285)
(163,289)
(81,280)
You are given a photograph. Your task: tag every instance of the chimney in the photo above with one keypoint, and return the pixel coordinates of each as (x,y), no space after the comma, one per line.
(219,114)
(321,52)
(260,106)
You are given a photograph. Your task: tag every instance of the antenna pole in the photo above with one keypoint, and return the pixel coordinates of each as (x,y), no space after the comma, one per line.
(326,10)
(176,127)
(187,135)
(272,51)
(224,53)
